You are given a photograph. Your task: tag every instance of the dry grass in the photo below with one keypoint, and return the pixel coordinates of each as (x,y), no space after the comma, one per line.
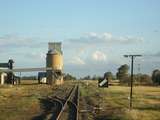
(115,103)
(24,102)
(21,102)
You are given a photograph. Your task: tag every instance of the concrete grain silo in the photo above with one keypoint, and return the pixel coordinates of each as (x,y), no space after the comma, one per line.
(54,60)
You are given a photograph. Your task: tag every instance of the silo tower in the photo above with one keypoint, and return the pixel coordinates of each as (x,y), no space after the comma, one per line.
(54,60)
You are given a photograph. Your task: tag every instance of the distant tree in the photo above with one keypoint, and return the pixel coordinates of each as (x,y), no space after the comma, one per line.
(109,75)
(122,73)
(114,77)
(69,77)
(142,79)
(145,79)
(156,76)
(87,77)
(95,77)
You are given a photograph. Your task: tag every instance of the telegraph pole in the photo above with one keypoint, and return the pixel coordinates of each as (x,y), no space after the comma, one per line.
(131,85)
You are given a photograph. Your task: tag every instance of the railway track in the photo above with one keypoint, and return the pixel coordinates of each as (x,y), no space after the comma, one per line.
(63,105)
(69,111)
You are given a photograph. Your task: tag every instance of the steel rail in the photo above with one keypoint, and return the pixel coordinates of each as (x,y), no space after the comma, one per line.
(65,104)
(73,93)
(77,103)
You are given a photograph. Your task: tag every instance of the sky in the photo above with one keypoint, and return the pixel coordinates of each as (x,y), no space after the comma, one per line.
(95,34)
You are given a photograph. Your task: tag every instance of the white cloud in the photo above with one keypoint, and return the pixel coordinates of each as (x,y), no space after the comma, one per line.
(13,41)
(43,56)
(91,34)
(36,55)
(107,35)
(105,38)
(80,54)
(99,56)
(77,61)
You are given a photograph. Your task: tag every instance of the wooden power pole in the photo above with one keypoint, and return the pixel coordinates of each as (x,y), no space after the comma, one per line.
(131,85)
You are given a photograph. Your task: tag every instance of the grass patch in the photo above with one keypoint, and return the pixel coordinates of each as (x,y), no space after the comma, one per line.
(115,102)
(21,102)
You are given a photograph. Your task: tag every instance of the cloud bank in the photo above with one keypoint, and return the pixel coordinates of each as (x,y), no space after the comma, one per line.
(105,38)
(88,54)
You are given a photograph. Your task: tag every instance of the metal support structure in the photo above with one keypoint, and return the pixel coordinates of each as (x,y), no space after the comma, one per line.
(131,84)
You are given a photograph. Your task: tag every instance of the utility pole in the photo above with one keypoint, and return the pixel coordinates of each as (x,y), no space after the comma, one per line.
(131,85)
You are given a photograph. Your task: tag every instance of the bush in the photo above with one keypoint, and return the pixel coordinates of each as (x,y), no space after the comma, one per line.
(156,77)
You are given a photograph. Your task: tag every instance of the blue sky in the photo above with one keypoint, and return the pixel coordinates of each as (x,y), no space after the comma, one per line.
(95,33)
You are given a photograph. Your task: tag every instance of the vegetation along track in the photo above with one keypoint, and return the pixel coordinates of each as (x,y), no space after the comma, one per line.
(62,105)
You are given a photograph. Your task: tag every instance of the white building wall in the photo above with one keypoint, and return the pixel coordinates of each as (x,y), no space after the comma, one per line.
(2,76)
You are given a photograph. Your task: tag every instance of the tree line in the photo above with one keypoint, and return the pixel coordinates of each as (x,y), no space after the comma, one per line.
(124,77)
